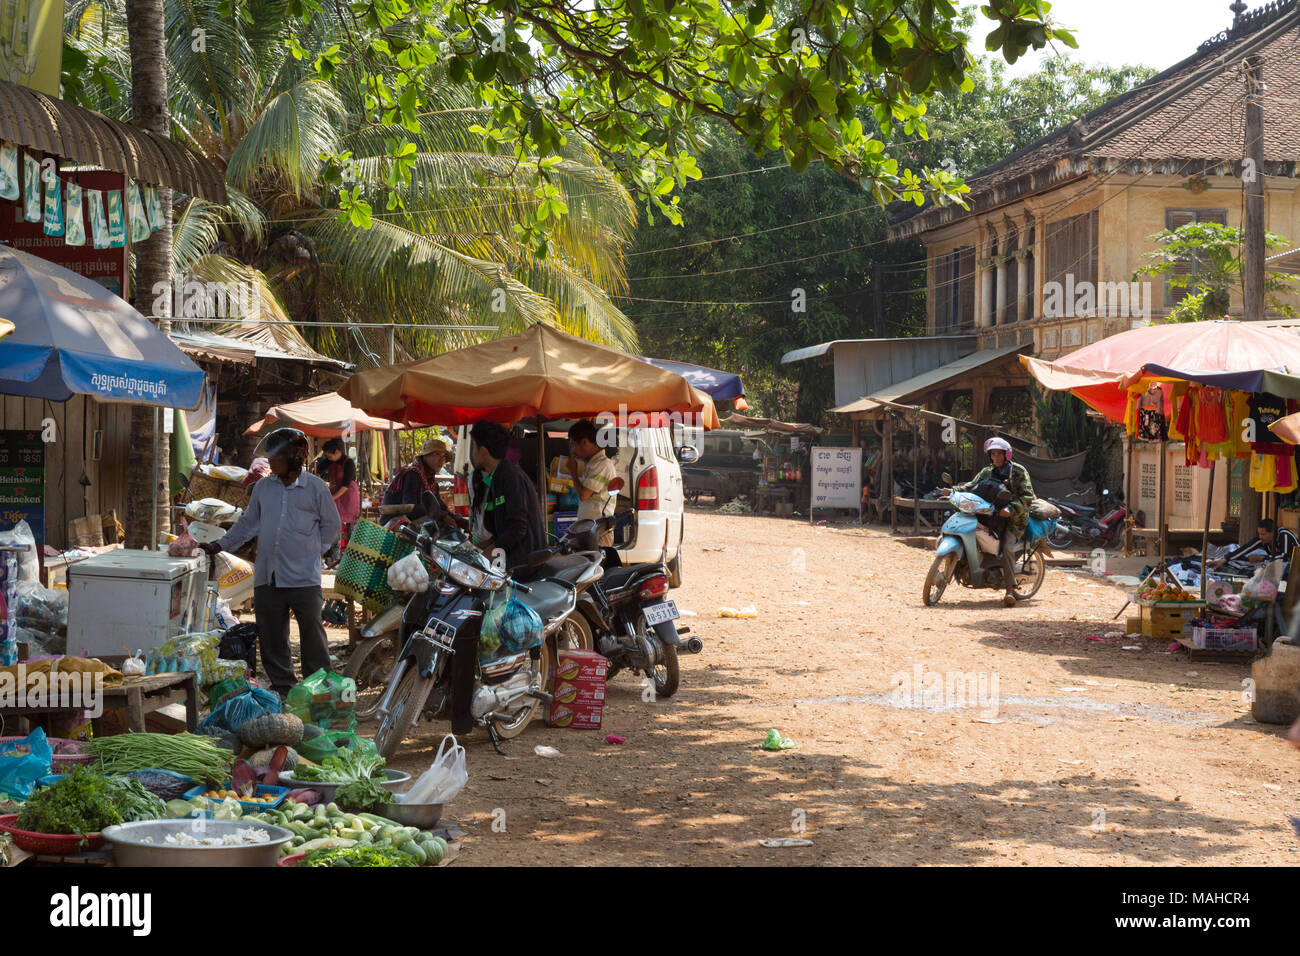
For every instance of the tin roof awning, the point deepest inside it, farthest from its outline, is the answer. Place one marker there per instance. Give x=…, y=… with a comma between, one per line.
x=815, y=351
x=82, y=136
x=225, y=348
x=899, y=392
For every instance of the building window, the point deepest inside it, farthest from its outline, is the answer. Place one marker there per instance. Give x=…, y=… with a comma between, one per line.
x=954, y=289
x=1071, y=250
x=1176, y=218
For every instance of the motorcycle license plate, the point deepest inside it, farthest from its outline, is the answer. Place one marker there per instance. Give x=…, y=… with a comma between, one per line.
x=659, y=613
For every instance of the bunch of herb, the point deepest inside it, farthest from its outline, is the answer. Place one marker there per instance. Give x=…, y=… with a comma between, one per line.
x=349, y=765
x=362, y=855
x=134, y=801
x=81, y=802
x=362, y=795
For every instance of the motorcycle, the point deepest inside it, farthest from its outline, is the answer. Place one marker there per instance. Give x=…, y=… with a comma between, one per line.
x=1079, y=523
x=444, y=620
x=960, y=557
x=626, y=611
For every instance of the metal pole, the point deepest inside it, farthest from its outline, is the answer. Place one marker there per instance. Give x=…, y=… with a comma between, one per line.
x=392, y=431
x=1205, y=534
x=541, y=464
x=1129, y=501
x=889, y=471
x=1164, y=527
x=153, y=512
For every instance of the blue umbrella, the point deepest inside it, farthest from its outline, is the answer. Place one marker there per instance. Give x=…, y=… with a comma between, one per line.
x=720, y=386
x=73, y=337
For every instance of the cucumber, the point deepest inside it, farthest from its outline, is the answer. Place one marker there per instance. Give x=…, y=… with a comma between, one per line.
x=412, y=849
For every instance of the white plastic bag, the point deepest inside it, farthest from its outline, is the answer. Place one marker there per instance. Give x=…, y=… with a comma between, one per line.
x=234, y=578
x=134, y=666
x=408, y=574
x=444, y=779
x=20, y=536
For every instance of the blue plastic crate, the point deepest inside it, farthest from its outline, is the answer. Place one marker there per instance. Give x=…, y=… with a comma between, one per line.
x=278, y=792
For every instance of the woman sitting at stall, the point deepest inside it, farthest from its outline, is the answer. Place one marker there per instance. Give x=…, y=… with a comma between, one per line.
x=336, y=469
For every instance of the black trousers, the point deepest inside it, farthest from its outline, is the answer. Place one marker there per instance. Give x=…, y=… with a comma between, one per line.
x=272, y=606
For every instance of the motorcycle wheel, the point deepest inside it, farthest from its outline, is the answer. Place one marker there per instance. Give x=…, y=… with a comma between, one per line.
x=370, y=665
x=937, y=578
x=1029, y=578
x=509, y=729
x=1060, y=537
x=575, y=635
x=412, y=691
x=667, y=676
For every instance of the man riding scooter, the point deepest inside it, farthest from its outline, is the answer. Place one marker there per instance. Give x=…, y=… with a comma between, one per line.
x=1016, y=514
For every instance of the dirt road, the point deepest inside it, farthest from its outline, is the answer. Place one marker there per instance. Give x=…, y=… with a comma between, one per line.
x=1070, y=750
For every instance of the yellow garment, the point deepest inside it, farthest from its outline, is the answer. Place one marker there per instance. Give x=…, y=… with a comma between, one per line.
x=1130, y=410
x=66, y=665
x=378, y=466
x=1221, y=450
x=1238, y=413
x=1263, y=472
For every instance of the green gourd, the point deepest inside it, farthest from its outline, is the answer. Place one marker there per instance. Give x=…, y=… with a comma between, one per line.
x=271, y=730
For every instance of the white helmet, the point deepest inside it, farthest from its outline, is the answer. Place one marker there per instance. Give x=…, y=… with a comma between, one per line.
x=1000, y=444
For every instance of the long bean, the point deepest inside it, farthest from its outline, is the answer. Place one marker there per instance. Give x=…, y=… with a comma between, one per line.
x=191, y=754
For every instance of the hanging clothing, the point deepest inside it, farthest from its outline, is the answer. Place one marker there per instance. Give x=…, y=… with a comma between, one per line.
x=1263, y=472
x=1151, y=422
x=1265, y=409
x=1238, y=414
x=1285, y=482
x=1178, y=406
x=1211, y=418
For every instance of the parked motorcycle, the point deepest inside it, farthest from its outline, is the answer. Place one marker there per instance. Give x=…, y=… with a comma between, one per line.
x=443, y=621
x=626, y=611
x=959, y=555
x=1079, y=523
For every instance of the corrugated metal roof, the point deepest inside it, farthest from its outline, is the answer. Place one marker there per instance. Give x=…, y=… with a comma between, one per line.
x=813, y=351
x=70, y=132
x=929, y=380
x=225, y=348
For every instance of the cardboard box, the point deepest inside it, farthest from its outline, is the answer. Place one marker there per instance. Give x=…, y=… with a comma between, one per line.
x=581, y=693
x=577, y=716
x=580, y=667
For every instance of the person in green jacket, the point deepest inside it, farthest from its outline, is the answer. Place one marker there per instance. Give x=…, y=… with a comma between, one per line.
x=1016, y=477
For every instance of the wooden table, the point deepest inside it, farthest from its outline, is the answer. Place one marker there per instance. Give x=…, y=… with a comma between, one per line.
x=923, y=505
x=138, y=696
x=771, y=496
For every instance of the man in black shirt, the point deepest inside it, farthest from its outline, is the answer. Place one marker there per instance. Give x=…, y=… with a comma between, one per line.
x=505, y=512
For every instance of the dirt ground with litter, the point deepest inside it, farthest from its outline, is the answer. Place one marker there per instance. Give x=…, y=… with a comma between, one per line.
x=1093, y=754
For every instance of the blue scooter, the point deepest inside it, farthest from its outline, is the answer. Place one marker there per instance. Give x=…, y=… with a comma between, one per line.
x=959, y=556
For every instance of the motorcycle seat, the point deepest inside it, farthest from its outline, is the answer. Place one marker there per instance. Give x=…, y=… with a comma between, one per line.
x=548, y=598
x=1083, y=510
x=615, y=578
x=566, y=567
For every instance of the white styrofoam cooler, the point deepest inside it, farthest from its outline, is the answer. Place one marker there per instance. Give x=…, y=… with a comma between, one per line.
x=133, y=599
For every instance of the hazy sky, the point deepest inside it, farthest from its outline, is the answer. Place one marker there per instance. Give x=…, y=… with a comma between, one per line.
x=1156, y=33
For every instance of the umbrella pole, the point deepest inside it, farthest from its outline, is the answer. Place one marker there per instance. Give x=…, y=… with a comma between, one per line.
x=1205, y=535
x=1164, y=460
x=541, y=465
x=153, y=512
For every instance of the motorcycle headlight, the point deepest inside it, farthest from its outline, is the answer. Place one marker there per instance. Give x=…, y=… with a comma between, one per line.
x=967, y=506
x=472, y=577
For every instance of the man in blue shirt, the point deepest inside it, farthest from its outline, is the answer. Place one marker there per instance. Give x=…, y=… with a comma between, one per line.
x=295, y=521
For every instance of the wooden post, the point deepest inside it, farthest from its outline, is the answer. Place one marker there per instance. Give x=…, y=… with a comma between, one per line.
x=1129, y=501
x=1160, y=497
x=1205, y=535
x=1252, y=246
x=889, y=470
x=916, y=471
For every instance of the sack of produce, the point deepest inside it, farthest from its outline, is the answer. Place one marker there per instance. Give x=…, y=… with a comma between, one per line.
x=408, y=574
x=23, y=761
x=234, y=579
x=232, y=713
x=1043, y=509
x=324, y=696
x=330, y=743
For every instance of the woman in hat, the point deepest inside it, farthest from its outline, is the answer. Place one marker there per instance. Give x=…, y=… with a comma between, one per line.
x=412, y=481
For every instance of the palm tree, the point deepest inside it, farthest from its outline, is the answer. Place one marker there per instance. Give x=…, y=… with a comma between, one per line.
x=451, y=256
x=144, y=24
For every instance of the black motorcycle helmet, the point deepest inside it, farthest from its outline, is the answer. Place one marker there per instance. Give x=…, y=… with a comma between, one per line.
x=994, y=492
x=289, y=442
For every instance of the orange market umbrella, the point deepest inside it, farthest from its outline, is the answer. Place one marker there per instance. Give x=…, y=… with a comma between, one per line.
x=1240, y=356
x=322, y=416
x=539, y=372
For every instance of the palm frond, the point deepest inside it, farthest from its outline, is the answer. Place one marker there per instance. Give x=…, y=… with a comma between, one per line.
x=288, y=137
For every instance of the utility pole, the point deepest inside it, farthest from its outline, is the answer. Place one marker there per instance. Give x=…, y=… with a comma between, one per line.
x=392, y=432
x=875, y=295
x=1252, y=247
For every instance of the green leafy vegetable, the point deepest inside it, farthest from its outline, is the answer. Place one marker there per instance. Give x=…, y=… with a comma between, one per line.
x=190, y=754
x=86, y=802
x=346, y=766
x=362, y=795
x=363, y=855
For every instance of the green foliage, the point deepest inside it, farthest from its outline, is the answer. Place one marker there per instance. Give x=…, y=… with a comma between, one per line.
x=1204, y=258
x=1066, y=427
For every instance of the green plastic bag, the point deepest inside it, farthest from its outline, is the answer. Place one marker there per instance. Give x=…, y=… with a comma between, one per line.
x=223, y=687
x=324, y=696
x=328, y=744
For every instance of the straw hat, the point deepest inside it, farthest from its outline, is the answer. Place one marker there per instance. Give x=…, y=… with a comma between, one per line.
x=434, y=445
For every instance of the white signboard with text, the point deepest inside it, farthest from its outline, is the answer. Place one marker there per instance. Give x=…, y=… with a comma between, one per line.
x=836, y=478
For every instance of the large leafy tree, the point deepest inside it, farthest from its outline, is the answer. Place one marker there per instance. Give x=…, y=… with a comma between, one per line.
x=703, y=297
x=453, y=246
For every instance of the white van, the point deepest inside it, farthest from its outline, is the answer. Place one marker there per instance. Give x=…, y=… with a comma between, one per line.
x=652, y=490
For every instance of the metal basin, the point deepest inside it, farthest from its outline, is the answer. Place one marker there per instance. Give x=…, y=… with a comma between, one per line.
x=422, y=815
x=392, y=780
x=129, y=848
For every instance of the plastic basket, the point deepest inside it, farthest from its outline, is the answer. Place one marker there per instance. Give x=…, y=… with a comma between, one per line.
x=292, y=860
x=58, y=759
x=48, y=842
x=261, y=791
x=1223, y=638
x=206, y=486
